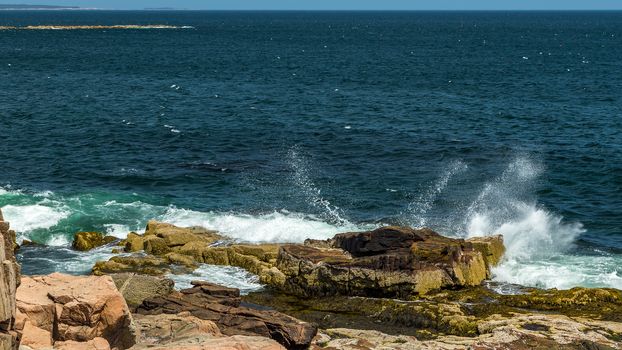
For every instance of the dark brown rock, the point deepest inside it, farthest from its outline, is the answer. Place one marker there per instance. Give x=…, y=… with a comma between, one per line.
x=381, y=241
x=222, y=306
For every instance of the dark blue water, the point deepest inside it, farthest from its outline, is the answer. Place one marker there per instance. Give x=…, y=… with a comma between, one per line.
x=276, y=126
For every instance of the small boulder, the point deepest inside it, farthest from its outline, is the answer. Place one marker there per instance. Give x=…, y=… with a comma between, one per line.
x=85, y=241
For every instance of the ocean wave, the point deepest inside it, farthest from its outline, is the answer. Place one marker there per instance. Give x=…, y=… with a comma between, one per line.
x=278, y=226
x=26, y=218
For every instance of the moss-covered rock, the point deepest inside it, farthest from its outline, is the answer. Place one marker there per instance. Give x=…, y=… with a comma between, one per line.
x=466, y=312
x=84, y=241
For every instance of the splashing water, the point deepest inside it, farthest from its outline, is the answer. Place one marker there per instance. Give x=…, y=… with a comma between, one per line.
x=313, y=194
x=538, y=243
x=419, y=208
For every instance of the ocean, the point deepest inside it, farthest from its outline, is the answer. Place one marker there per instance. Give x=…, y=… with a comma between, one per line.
x=282, y=126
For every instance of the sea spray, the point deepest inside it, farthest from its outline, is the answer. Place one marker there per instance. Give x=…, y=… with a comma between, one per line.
x=418, y=209
x=313, y=195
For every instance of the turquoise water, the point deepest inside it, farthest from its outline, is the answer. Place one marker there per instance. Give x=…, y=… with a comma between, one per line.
x=284, y=126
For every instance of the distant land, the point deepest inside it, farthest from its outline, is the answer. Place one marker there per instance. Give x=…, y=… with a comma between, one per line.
x=161, y=8
x=37, y=7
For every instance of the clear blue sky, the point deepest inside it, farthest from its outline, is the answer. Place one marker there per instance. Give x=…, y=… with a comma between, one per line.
x=340, y=4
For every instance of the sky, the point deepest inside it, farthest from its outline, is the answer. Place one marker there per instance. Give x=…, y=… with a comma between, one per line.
x=338, y=4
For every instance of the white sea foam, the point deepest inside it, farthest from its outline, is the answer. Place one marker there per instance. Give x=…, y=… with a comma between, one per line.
x=117, y=230
x=228, y=276
x=281, y=226
x=562, y=272
x=536, y=240
x=57, y=241
x=27, y=218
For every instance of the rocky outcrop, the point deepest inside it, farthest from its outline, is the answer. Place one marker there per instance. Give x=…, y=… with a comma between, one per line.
x=84, y=241
x=9, y=280
x=56, y=309
x=221, y=305
x=165, y=248
x=389, y=261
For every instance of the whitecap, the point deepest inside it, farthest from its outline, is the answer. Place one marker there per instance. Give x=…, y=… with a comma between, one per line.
x=278, y=226
x=26, y=218
x=117, y=230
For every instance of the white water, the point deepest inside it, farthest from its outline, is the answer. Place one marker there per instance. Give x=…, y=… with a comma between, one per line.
x=33, y=217
x=281, y=226
x=538, y=242
x=228, y=276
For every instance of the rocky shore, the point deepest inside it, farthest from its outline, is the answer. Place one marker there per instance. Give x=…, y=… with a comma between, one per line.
x=390, y=288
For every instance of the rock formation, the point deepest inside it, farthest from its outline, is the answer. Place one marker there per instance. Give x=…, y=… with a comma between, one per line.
x=387, y=262
x=9, y=280
x=221, y=305
x=61, y=308
x=165, y=248
x=84, y=241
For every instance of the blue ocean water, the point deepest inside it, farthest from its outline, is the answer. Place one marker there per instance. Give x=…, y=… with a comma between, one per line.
x=279, y=126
